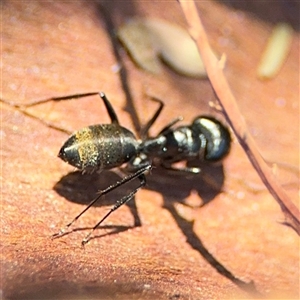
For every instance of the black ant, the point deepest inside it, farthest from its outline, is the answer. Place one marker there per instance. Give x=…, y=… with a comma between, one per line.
x=106, y=146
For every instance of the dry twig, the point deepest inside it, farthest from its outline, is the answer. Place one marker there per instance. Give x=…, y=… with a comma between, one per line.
x=233, y=116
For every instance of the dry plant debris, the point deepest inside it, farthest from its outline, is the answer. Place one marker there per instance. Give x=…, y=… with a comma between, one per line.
x=276, y=51
x=148, y=39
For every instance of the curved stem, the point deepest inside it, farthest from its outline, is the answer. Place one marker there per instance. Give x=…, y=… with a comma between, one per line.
x=233, y=116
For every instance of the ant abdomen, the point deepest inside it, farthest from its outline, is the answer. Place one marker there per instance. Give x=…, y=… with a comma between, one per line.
x=99, y=147
x=216, y=135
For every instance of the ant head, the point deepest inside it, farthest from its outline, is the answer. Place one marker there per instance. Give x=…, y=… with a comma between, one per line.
x=217, y=137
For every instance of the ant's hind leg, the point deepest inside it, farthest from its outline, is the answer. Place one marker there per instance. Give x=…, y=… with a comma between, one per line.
x=123, y=172
x=138, y=174
x=38, y=102
x=118, y=204
x=110, y=109
x=111, y=112
x=23, y=107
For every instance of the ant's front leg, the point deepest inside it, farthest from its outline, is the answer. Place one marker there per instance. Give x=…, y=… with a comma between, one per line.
x=23, y=107
x=38, y=102
x=111, y=112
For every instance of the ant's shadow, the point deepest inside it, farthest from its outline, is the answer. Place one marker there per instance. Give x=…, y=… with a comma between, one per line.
x=173, y=186
x=82, y=188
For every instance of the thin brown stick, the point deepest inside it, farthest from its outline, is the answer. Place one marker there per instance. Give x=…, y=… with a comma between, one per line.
x=231, y=111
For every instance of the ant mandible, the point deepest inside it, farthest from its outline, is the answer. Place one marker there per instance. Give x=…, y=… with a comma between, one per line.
x=106, y=146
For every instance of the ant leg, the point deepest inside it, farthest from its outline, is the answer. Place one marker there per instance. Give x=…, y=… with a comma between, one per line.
x=22, y=109
x=38, y=102
x=110, y=109
x=145, y=129
x=126, y=179
x=118, y=204
x=123, y=172
x=68, y=97
x=111, y=112
x=168, y=126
